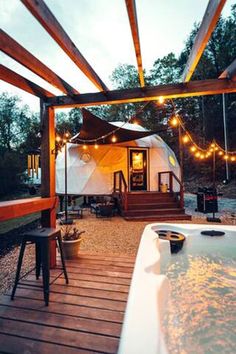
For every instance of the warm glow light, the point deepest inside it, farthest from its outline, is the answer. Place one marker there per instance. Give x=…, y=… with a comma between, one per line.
x=226, y=157
x=197, y=154
x=64, y=141
x=135, y=122
x=202, y=157
x=233, y=158
x=211, y=150
x=58, y=138
x=193, y=148
x=174, y=121
x=213, y=145
x=67, y=135
x=216, y=148
x=220, y=153
x=161, y=99
x=95, y=146
x=85, y=147
x=185, y=139
x=114, y=139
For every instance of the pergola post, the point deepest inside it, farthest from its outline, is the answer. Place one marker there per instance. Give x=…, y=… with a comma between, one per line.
x=48, y=217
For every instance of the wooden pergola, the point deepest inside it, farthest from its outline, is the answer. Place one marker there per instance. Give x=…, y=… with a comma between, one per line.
x=225, y=83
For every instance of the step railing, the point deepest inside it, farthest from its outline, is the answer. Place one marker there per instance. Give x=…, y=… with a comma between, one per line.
x=172, y=178
x=120, y=188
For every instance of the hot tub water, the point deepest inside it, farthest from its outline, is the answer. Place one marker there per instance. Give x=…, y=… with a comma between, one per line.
x=201, y=311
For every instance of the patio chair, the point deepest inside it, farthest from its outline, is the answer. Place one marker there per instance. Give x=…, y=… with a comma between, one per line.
x=105, y=211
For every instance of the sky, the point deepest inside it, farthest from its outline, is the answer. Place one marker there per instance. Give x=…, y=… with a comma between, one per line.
x=100, y=29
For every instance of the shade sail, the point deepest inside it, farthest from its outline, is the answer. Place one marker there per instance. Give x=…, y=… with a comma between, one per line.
x=97, y=130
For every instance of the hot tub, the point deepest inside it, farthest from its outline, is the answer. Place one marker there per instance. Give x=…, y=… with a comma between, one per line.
x=182, y=302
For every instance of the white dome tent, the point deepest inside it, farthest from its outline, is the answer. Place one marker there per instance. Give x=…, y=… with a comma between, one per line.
x=90, y=171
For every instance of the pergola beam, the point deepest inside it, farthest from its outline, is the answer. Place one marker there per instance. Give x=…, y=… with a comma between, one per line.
x=230, y=72
x=21, y=82
x=46, y=18
x=208, y=24
x=150, y=93
x=133, y=20
x=12, y=48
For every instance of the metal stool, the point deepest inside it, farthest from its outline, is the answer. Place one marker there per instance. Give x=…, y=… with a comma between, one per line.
x=41, y=238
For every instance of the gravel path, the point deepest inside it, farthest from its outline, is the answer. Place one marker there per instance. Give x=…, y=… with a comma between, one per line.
x=113, y=236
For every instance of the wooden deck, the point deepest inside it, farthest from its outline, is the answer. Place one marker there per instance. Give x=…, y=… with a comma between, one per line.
x=84, y=316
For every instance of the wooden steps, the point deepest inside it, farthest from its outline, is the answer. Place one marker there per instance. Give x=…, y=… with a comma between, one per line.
x=153, y=206
x=84, y=316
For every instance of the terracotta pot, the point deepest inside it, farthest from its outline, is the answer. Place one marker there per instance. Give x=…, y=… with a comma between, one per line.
x=71, y=248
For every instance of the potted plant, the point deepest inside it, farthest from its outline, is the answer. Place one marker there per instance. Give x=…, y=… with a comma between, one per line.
x=71, y=239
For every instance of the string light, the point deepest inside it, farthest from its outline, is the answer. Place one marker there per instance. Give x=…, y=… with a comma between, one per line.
x=199, y=152
x=58, y=138
x=85, y=147
x=161, y=100
x=114, y=139
x=174, y=121
x=185, y=139
x=96, y=146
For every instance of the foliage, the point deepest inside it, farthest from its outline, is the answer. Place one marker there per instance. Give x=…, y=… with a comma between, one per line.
x=19, y=128
x=71, y=233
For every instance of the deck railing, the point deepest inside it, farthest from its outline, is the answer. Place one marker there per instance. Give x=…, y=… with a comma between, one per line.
x=172, y=177
x=120, y=188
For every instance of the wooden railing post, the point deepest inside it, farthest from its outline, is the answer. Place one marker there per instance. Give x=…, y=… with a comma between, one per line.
x=181, y=196
x=171, y=181
x=159, y=181
x=48, y=189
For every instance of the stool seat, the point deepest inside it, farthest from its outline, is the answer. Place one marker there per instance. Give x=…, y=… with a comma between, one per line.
x=41, y=238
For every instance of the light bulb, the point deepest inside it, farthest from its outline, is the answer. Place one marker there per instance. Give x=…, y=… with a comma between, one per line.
x=85, y=147
x=58, y=138
x=174, y=121
x=193, y=148
x=113, y=139
x=226, y=157
x=95, y=146
x=161, y=99
x=233, y=158
x=220, y=153
x=185, y=139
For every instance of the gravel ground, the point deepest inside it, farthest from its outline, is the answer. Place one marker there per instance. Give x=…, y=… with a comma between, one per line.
x=113, y=236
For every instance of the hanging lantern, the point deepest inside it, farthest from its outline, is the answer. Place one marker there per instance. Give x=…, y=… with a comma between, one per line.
x=33, y=159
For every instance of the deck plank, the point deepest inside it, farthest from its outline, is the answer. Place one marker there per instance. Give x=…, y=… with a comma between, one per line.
x=83, y=317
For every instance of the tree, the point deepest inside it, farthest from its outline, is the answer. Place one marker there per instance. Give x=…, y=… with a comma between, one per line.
x=14, y=122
